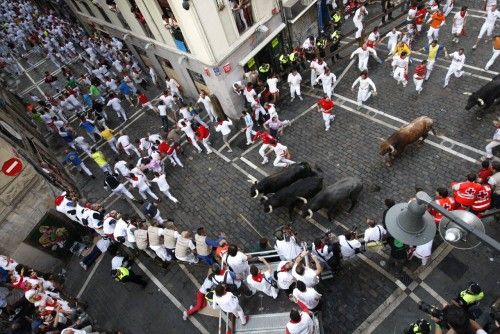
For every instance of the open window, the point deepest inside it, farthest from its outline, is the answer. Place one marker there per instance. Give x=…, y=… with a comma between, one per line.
x=243, y=14
x=170, y=22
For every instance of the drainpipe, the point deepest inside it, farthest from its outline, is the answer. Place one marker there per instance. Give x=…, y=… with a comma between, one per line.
x=288, y=28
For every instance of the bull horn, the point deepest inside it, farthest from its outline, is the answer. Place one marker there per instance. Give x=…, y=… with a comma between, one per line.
x=380, y=138
x=480, y=101
x=251, y=182
x=392, y=148
x=303, y=199
x=270, y=208
x=309, y=213
x=256, y=194
x=467, y=93
x=265, y=198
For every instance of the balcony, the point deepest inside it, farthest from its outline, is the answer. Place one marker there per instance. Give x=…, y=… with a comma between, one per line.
x=243, y=14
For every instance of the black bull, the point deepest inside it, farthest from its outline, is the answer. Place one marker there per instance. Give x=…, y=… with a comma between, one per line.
x=485, y=96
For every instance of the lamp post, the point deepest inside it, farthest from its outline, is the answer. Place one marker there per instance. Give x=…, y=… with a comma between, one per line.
x=411, y=224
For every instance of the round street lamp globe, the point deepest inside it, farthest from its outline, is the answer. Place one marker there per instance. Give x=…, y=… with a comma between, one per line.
x=410, y=223
x=456, y=235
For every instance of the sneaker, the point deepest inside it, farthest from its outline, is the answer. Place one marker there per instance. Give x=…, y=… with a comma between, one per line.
x=208, y=152
x=444, y=86
x=184, y=315
x=83, y=265
x=250, y=143
x=359, y=107
x=230, y=150
x=265, y=161
x=291, y=100
x=327, y=129
x=300, y=97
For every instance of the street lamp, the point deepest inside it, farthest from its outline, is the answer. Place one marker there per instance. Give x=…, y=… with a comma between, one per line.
x=411, y=224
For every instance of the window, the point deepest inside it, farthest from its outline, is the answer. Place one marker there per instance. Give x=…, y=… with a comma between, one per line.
x=140, y=18
x=122, y=20
x=172, y=26
x=103, y=13
x=243, y=15
x=88, y=8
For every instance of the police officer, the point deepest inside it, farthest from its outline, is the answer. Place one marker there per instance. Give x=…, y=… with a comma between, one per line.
x=470, y=297
x=264, y=71
x=284, y=62
x=337, y=20
x=321, y=43
x=421, y=326
x=124, y=275
x=334, y=44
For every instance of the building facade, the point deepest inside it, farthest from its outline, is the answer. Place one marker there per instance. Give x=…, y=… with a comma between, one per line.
x=209, y=46
x=30, y=178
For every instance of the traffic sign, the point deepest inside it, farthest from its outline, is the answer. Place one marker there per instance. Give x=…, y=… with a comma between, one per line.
x=12, y=167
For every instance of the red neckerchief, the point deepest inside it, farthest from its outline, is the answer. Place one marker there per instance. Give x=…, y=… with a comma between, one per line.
x=135, y=178
x=258, y=277
x=320, y=246
x=296, y=322
x=249, y=89
x=462, y=13
x=283, y=269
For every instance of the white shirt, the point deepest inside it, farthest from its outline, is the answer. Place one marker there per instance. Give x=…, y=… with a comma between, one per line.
x=239, y=263
x=120, y=229
x=115, y=103
x=393, y=36
x=111, y=84
x=206, y=102
x=400, y=62
x=305, y=326
x=162, y=183
x=248, y=120
x=249, y=95
x=310, y=297
x=103, y=244
x=323, y=254
x=287, y=250
x=185, y=113
x=123, y=140
x=187, y=129
x=228, y=277
x=364, y=54
x=459, y=20
x=374, y=233
x=207, y=285
x=228, y=302
x=491, y=17
x=280, y=149
x=424, y=250
x=496, y=135
x=116, y=262
x=364, y=84
x=359, y=15
x=121, y=167
x=140, y=183
x=294, y=80
x=285, y=278
x=457, y=59
x=173, y=86
x=273, y=85
x=168, y=100
x=308, y=44
x=348, y=247
x=319, y=68
x=162, y=108
x=309, y=277
x=327, y=80
x=263, y=285
x=224, y=127
x=108, y=227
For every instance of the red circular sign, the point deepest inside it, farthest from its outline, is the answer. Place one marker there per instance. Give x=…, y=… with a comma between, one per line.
x=12, y=167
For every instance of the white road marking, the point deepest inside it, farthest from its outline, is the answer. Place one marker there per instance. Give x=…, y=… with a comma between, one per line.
x=251, y=164
x=92, y=272
x=189, y=275
x=251, y=225
x=170, y=296
x=433, y=293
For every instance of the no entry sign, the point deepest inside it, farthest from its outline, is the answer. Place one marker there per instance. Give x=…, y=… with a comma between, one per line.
x=12, y=167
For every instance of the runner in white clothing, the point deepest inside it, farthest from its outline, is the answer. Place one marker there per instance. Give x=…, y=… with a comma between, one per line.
x=174, y=87
x=83, y=145
x=272, y=83
x=358, y=18
x=185, y=127
x=248, y=129
x=207, y=103
x=124, y=142
x=457, y=63
x=261, y=280
x=294, y=80
x=121, y=168
x=116, y=104
x=457, y=28
x=364, y=91
x=140, y=182
x=161, y=180
x=393, y=37
x=494, y=142
x=488, y=25
x=328, y=80
x=400, y=64
x=223, y=127
x=228, y=303
x=318, y=67
x=363, y=54
x=282, y=154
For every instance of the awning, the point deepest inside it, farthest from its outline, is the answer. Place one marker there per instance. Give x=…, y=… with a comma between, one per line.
x=262, y=44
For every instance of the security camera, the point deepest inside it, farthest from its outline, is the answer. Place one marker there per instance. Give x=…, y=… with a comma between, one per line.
x=185, y=4
x=262, y=29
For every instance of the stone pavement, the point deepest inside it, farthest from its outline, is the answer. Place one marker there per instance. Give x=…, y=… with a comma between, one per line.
x=213, y=192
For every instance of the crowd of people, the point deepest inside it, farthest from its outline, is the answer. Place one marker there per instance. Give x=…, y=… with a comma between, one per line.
x=113, y=76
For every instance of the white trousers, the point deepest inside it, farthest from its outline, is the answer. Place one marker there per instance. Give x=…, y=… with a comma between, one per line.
x=174, y=159
x=133, y=148
x=169, y=195
x=248, y=134
x=294, y=89
x=489, y=148
x=282, y=162
x=418, y=83
x=494, y=56
x=195, y=143
x=161, y=251
x=211, y=113
x=399, y=75
x=359, y=26
x=238, y=312
x=147, y=190
x=121, y=113
x=83, y=167
x=262, y=151
x=455, y=70
x=486, y=28
x=112, y=144
x=328, y=90
x=327, y=118
x=432, y=34
x=122, y=190
x=447, y=9
x=363, y=95
x=313, y=77
x=363, y=64
x=205, y=144
x=430, y=67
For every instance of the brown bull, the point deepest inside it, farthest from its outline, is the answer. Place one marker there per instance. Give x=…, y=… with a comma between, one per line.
x=410, y=133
